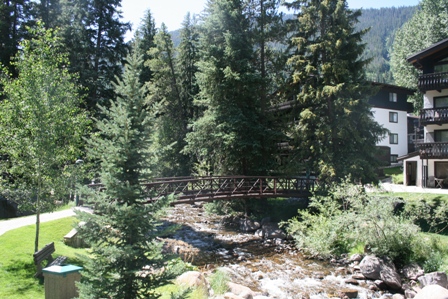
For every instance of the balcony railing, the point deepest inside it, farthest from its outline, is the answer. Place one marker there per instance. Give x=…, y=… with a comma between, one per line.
x=433, y=150
x=433, y=81
x=434, y=116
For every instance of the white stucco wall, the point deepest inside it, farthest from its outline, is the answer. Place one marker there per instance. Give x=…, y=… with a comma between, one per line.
x=382, y=117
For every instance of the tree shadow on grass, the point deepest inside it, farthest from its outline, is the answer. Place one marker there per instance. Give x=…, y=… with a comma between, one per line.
x=20, y=276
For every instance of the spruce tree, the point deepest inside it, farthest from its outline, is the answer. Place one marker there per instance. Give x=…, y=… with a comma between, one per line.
x=334, y=133
x=125, y=258
x=173, y=89
x=144, y=41
x=229, y=135
x=94, y=37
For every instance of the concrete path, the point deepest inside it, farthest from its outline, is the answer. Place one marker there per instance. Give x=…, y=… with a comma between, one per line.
x=6, y=225
x=411, y=189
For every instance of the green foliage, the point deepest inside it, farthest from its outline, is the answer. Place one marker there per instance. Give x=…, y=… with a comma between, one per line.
x=218, y=282
x=41, y=124
x=398, y=178
x=383, y=24
x=16, y=266
x=93, y=34
x=126, y=258
x=426, y=27
x=347, y=217
x=335, y=133
x=229, y=136
x=170, y=94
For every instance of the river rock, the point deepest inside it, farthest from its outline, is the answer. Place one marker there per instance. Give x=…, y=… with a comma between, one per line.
x=375, y=268
x=398, y=296
x=409, y=294
x=352, y=281
x=433, y=291
x=358, y=276
x=348, y=293
x=240, y=290
x=248, y=225
x=259, y=233
x=355, y=258
x=439, y=278
x=192, y=279
x=413, y=271
x=272, y=231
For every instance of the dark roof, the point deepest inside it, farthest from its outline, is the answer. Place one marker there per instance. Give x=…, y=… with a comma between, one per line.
x=395, y=88
x=435, y=51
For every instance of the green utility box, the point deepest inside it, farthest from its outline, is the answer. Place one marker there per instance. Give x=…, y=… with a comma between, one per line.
x=60, y=281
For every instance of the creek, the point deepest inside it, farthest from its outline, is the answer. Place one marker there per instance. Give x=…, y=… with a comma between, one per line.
x=272, y=267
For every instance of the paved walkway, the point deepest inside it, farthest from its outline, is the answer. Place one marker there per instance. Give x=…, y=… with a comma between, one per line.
x=412, y=189
x=6, y=225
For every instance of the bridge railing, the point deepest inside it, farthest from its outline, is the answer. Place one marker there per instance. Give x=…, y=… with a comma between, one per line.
x=225, y=187
x=191, y=189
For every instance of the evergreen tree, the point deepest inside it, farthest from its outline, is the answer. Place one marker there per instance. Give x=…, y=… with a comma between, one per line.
x=144, y=41
x=426, y=27
x=173, y=89
x=125, y=257
x=335, y=133
x=229, y=135
x=165, y=94
x=47, y=11
x=94, y=37
x=14, y=15
x=40, y=123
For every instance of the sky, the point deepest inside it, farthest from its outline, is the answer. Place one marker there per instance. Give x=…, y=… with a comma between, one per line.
x=172, y=12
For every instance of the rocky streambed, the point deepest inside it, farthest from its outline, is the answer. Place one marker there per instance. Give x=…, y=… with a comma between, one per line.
x=264, y=260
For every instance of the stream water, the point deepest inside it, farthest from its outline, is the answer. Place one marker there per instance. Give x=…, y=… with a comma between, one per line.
x=273, y=268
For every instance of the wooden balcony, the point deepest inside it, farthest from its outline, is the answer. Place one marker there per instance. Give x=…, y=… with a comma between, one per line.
x=433, y=150
x=437, y=116
x=433, y=81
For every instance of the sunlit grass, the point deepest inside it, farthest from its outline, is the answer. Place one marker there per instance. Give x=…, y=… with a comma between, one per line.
x=17, y=268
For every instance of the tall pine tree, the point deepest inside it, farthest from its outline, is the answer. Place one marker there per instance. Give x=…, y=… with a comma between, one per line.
x=335, y=133
x=144, y=41
x=94, y=37
x=125, y=257
x=229, y=135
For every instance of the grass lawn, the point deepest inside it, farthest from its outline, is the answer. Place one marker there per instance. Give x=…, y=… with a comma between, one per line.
x=16, y=264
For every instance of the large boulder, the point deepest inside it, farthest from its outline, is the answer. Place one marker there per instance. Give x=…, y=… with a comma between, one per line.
x=375, y=268
x=248, y=225
x=240, y=290
x=272, y=231
x=433, y=291
x=438, y=278
x=413, y=271
x=192, y=279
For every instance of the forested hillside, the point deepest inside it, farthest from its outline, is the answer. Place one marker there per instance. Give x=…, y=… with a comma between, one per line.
x=383, y=23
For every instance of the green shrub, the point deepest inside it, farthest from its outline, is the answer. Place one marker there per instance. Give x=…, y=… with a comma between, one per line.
x=346, y=217
x=398, y=179
x=218, y=282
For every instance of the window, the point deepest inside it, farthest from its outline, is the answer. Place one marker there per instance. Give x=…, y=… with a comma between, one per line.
x=441, y=135
x=440, y=102
x=393, y=158
x=393, y=138
x=393, y=117
x=441, y=66
x=392, y=97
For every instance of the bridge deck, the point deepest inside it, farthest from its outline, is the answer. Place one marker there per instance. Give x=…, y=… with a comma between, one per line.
x=192, y=189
